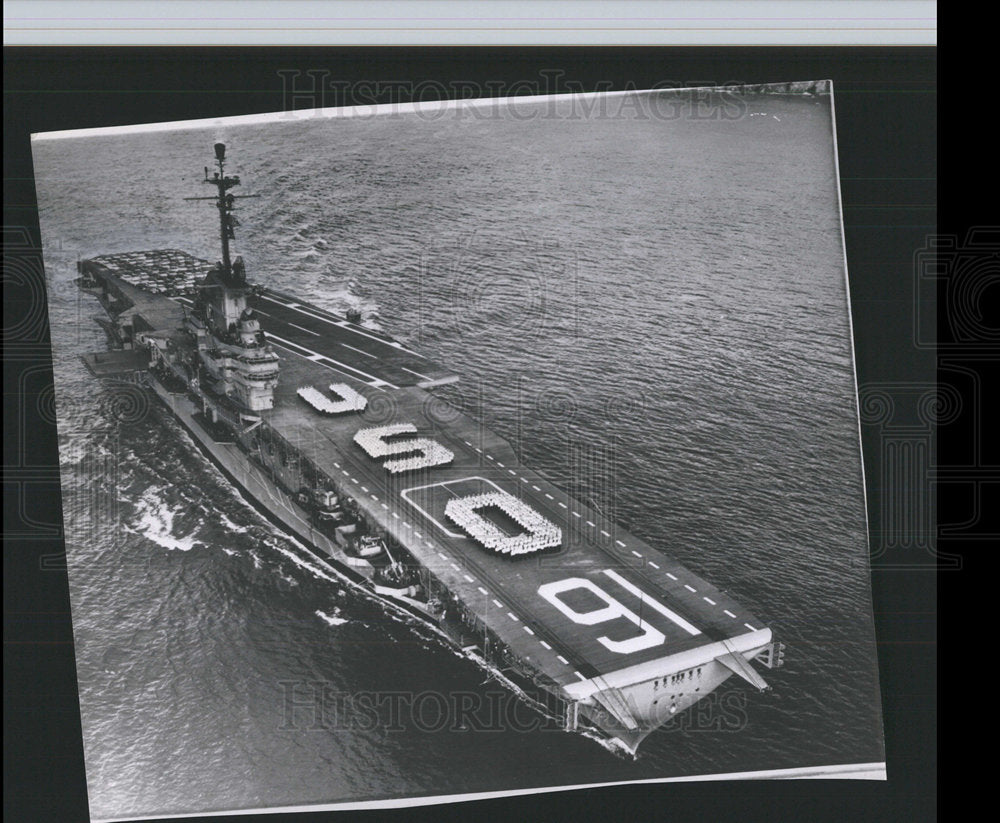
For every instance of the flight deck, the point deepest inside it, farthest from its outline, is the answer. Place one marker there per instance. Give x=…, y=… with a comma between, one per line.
x=655, y=594
x=602, y=602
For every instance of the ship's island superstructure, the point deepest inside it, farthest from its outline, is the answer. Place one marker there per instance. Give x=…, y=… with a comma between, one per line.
x=331, y=430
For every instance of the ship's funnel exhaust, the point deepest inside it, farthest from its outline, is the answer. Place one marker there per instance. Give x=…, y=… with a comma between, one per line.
x=220, y=151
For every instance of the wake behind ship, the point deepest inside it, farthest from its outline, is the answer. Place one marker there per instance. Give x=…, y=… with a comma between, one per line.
x=331, y=430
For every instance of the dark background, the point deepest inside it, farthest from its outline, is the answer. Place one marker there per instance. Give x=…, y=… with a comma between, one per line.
x=886, y=108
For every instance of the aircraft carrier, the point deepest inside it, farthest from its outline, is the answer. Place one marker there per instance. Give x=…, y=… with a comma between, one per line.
x=333, y=431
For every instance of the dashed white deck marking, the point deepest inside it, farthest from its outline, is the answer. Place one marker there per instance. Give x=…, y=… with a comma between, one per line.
x=351, y=327
x=418, y=374
x=549, y=496
x=535, y=487
x=513, y=617
x=726, y=611
x=690, y=588
x=364, y=489
x=591, y=525
x=636, y=553
x=651, y=563
x=563, y=505
x=671, y=576
x=498, y=604
x=442, y=555
x=619, y=542
x=710, y=601
x=529, y=631
x=605, y=533
x=359, y=351
x=469, y=579
x=394, y=514
x=750, y=627
x=579, y=675
x=307, y=331
x=577, y=514
x=546, y=645
x=291, y=345
x=482, y=590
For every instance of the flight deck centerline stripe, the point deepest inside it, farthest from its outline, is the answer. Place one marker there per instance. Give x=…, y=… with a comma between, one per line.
x=726, y=611
x=529, y=631
x=482, y=590
x=653, y=604
x=619, y=542
x=671, y=576
x=690, y=588
x=498, y=604
x=562, y=659
x=651, y=563
x=636, y=553
x=513, y=616
x=546, y=645
x=750, y=627
x=710, y=601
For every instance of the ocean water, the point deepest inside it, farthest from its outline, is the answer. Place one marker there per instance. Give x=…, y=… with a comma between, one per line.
x=650, y=308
